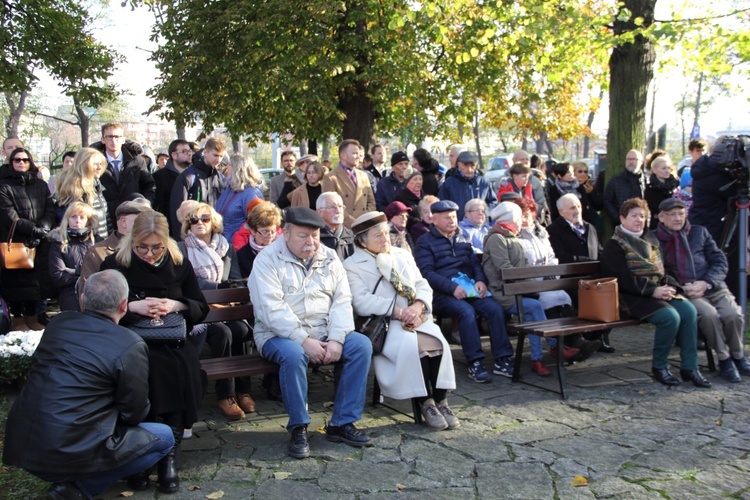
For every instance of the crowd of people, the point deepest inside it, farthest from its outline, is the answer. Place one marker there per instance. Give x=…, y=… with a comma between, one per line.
x=412, y=240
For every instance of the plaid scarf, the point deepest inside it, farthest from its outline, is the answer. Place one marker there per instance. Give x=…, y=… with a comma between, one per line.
x=643, y=258
x=206, y=259
x=676, y=250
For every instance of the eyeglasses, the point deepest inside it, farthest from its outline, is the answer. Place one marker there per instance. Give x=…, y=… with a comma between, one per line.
x=110, y=137
x=335, y=207
x=143, y=250
x=205, y=218
x=265, y=232
x=184, y=152
x=21, y=160
x=478, y=211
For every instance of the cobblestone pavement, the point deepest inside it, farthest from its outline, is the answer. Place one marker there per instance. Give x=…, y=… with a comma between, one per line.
x=626, y=435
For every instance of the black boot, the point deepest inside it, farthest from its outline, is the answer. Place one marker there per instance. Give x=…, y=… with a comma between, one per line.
x=169, y=482
x=138, y=481
x=606, y=346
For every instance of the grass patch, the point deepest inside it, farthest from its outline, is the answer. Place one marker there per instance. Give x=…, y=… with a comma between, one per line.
x=15, y=482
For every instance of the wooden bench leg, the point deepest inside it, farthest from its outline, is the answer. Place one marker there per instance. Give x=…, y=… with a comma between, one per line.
x=519, y=356
x=560, y=367
x=710, y=358
x=417, y=411
x=376, y=399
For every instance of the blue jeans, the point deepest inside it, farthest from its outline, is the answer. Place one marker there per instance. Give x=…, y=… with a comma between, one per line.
x=95, y=484
x=352, y=388
x=679, y=319
x=466, y=310
x=533, y=311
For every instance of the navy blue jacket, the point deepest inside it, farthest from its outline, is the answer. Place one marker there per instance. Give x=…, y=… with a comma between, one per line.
x=459, y=190
x=388, y=188
x=709, y=262
x=439, y=259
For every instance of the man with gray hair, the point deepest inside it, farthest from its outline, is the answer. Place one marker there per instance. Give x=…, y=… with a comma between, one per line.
x=335, y=236
x=87, y=431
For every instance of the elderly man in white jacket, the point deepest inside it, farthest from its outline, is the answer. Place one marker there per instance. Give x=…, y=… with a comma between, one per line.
x=303, y=314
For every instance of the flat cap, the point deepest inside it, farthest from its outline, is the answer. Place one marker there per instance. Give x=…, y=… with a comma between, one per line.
x=671, y=203
x=467, y=157
x=396, y=208
x=366, y=221
x=510, y=196
x=443, y=206
x=303, y=216
x=398, y=157
x=130, y=208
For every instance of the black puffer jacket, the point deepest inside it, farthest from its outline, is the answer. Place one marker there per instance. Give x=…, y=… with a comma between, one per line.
x=134, y=178
x=94, y=378
x=656, y=192
x=200, y=182
x=710, y=204
x=24, y=197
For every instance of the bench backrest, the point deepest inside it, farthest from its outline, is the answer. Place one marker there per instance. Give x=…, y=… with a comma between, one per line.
x=565, y=277
x=229, y=304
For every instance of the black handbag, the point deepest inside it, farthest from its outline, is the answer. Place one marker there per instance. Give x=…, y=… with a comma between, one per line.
x=375, y=326
x=169, y=330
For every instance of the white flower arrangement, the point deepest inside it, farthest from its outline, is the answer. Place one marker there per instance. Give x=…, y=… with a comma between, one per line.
x=16, y=349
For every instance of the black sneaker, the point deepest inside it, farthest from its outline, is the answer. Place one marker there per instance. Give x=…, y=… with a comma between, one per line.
x=504, y=367
x=348, y=434
x=299, y=444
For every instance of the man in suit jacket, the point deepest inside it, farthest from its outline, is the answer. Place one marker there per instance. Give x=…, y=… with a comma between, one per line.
x=575, y=240
x=350, y=183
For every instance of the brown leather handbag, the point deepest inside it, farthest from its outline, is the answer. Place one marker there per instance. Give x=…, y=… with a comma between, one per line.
x=598, y=300
x=16, y=255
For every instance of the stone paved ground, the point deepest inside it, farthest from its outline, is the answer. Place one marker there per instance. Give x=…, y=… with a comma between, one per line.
x=628, y=436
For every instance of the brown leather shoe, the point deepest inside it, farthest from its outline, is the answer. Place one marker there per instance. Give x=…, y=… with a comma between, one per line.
x=245, y=401
x=230, y=409
x=18, y=324
x=33, y=323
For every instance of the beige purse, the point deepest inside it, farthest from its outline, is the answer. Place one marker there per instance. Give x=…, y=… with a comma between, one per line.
x=16, y=255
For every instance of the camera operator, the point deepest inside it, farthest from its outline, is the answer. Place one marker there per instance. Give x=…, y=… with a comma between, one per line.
x=712, y=208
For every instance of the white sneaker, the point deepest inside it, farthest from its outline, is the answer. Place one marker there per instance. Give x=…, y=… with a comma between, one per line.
x=187, y=433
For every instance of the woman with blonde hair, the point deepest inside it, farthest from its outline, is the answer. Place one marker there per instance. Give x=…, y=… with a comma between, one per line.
x=70, y=242
x=162, y=281
x=215, y=264
x=662, y=184
x=80, y=182
x=245, y=184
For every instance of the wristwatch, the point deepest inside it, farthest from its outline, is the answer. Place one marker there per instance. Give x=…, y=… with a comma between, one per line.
x=709, y=286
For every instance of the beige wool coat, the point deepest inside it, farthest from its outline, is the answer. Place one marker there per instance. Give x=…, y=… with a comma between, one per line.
x=397, y=368
x=356, y=201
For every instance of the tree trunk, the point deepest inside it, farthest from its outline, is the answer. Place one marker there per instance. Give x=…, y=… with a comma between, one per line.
x=476, y=140
x=83, y=122
x=312, y=147
x=15, y=112
x=326, y=150
x=302, y=148
x=360, y=119
x=631, y=68
x=180, y=125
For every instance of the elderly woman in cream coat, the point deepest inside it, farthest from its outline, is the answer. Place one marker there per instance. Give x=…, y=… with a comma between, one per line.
x=416, y=360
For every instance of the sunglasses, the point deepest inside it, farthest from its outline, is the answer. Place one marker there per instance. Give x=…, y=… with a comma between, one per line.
x=205, y=218
x=21, y=160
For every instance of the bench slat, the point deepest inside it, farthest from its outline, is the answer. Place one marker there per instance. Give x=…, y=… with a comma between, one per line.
x=579, y=268
x=230, y=313
x=566, y=326
x=237, y=366
x=524, y=287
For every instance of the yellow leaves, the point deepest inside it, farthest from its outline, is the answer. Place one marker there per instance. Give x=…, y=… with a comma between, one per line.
x=281, y=475
x=579, y=481
x=474, y=52
x=400, y=486
x=215, y=495
x=126, y=494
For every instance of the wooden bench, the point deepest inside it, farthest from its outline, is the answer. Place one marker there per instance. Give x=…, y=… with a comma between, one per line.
x=563, y=277
x=230, y=304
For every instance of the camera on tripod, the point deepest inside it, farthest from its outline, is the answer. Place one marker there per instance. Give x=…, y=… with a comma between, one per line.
x=732, y=153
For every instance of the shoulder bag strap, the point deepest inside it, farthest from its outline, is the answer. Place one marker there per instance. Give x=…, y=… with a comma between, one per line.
x=393, y=303
x=12, y=230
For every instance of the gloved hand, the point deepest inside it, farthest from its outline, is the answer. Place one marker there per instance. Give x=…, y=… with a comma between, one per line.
x=33, y=243
x=39, y=232
x=225, y=284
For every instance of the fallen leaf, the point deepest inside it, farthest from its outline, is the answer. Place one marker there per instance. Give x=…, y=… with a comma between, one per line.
x=321, y=429
x=718, y=422
x=348, y=458
x=281, y=475
x=627, y=355
x=193, y=487
x=579, y=481
x=126, y=493
x=641, y=392
x=215, y=495
x=328, y=404
x=473, y=474
x=449, y=438
x=401, y=486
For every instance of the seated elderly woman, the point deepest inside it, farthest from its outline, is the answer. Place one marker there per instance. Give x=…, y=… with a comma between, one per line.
x=215, y=265
x=474, y=225
x=398, y=216
x=425, y=217
x=649, y=293
x=263, y=222
x=416, y=360
x=502, y=250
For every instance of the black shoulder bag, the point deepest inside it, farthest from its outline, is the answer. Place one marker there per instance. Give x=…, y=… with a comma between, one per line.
x=375, y=326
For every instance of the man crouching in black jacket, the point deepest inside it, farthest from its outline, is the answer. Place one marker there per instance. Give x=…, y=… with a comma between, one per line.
x=87, y=431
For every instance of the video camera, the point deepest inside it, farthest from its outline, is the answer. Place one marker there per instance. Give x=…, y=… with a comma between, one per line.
x=732, y=154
